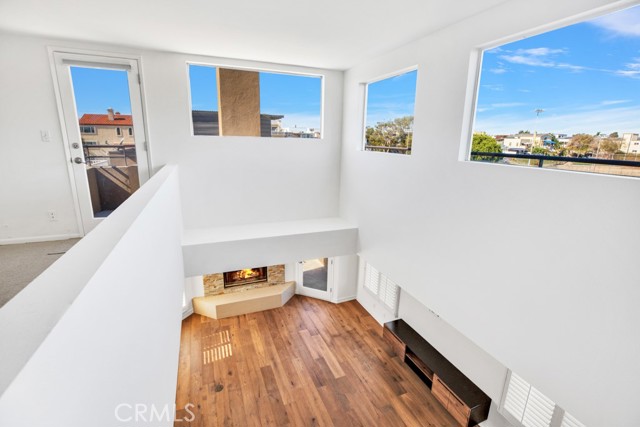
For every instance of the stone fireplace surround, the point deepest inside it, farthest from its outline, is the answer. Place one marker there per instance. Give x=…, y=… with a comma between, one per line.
x=214, y=283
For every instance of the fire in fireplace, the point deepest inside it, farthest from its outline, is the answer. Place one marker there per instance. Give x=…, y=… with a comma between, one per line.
x=244, y=277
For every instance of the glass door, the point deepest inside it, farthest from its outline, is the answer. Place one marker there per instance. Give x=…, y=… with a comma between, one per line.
x=315, y=278
x=102, y=108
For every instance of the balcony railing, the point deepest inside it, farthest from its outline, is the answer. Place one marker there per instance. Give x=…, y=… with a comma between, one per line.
x=386, y=149
x=127, y=152
x=616, y=167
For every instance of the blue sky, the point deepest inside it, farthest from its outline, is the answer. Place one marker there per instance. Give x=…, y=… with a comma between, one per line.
x=586, y=77
x=298, y=98
x=391, y=98
x=96, y=89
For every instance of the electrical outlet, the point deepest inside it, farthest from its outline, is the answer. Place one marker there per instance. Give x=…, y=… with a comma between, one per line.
x=52, y=215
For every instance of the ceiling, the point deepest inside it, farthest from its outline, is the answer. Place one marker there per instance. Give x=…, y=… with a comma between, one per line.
x=335, y=34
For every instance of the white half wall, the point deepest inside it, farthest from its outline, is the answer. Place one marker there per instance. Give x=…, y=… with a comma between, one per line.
x=219, y=249
x=101, y=326
x=224, y=180
x=555, y=303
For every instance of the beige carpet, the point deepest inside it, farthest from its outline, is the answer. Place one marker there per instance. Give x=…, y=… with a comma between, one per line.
x=20, y=264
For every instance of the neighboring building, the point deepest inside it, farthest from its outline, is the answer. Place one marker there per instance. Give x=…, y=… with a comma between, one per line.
x=630, y=143
x=106, y=129
x=207, y=123
x=520, y=142
x=295, y=132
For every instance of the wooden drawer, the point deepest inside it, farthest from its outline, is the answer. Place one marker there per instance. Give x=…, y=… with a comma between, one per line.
x=440, y=391
x=456, y=404
x=399, y=348
x=460, y=418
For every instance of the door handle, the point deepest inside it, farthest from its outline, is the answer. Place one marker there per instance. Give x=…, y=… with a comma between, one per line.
x=78, y=160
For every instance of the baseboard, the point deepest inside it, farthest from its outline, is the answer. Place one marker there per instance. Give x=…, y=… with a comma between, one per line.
x=345, y=299
x=188, y=312
x=50, y=238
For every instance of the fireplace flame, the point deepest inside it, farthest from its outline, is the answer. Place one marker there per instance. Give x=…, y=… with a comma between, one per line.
x=248, y=273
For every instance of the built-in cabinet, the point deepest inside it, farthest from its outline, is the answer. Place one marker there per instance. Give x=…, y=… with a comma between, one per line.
x=466, y=403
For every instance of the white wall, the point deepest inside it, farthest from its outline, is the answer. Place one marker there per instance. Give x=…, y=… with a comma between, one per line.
x=345, y=278
x=232, y=248
x=101, y=327
x=285, y=179
x=557, y=303
x=33, y=173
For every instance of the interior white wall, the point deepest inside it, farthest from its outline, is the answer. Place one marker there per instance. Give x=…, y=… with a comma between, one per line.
x=232, y=248
x=110, y=325
x=555, y=303
x=284, y=178
x=33, y=173
x=345, y=278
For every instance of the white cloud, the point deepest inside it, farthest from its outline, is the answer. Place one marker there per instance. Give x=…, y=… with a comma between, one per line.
x=496, y=87
x=498, y=70
x=615, y=102
x=532, y=60
x=541, y=57
x=606, y=120
x=623, y=23
x=539, y=51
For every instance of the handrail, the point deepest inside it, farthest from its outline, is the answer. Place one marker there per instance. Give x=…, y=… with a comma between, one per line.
x=542, y=158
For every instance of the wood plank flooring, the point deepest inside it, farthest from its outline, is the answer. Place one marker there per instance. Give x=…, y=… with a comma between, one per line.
x=309, y=363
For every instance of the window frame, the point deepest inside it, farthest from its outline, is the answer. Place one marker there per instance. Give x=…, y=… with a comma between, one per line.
x=258, y=70
x=84, y=127
x=118, y=131
x=475, y=70
x=365, y=88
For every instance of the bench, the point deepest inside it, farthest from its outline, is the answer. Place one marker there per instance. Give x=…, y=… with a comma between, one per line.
x=244, y=302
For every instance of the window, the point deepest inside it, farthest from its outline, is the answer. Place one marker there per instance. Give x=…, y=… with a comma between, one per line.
x=566, y=99
x=526, y=406
x=87, y=129
x=382, y=287
x=130, y=131
x=118, y=131
x=231, y=102
x=389, y=114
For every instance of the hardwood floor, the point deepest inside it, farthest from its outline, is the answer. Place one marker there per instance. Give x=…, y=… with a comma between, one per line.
x=309, y=363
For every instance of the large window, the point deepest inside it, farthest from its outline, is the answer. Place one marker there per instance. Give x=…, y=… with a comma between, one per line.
x=382, y=287
x=566, y=99
x=526, y=406
x=389, y=114
x=232, y=102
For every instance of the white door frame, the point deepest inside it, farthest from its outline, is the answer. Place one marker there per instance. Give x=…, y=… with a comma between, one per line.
x=316, y=293
x=60, y=59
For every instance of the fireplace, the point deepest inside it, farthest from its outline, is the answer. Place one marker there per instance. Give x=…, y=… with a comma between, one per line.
x=245, y=277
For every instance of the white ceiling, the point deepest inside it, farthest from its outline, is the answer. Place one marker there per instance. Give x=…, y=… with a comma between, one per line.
x=323, y=33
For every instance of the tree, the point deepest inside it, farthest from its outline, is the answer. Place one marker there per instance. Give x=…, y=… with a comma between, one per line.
x=396, y=133
x=540, y=150
x=484, y=143
x=610, y=146
x=581, y=144
x=614, y=135
x=520, y=132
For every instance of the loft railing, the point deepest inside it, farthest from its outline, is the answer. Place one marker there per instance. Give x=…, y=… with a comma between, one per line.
x=387, y=149
x=541, y=158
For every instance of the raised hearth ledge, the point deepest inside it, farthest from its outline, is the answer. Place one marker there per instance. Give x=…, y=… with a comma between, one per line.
x=249, y=301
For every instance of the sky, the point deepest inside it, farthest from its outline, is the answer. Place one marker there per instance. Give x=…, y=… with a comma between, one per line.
x=391, y=98
x=586, y=78
x=298, y=98
x=96, y=89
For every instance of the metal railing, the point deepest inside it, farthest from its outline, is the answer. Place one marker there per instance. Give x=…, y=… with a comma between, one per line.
x=387, y=149
x=541, y=158
x=124, y=151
